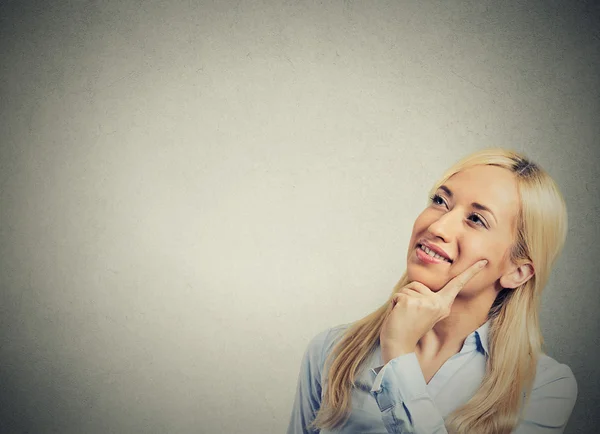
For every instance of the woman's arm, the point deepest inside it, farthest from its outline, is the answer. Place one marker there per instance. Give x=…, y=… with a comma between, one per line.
x=308, y=391
x=406, y=407
x=401, y=394
x=400, y=389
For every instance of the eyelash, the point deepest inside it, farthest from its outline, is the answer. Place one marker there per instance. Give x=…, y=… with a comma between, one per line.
x=437, y=196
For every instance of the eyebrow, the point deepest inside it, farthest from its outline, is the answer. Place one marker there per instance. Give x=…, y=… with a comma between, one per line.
x=475, y=205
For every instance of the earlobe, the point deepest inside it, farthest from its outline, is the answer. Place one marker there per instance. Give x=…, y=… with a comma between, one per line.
x=517, y=276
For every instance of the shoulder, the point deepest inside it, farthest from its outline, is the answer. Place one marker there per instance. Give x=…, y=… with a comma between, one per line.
x=553, y=395
x=548, y=369
x=555, y=376
x=323, y=342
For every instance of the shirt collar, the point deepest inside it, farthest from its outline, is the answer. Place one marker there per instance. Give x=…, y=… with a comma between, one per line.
x=482, y=334
x=481, y=338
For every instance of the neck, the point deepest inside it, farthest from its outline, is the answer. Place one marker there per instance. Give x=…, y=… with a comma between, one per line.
x=448, y=335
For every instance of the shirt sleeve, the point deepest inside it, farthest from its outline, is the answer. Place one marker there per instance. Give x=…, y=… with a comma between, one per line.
x=552, y=400
x=308, y=391
x=401, y=394
x=406, y=407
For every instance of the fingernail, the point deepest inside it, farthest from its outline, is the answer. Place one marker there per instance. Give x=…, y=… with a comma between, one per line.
x=483, y=263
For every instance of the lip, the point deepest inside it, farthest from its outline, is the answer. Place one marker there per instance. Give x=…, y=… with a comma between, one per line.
x=434, y=248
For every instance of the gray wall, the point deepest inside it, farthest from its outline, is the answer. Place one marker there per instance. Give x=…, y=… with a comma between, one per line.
x=191, y=190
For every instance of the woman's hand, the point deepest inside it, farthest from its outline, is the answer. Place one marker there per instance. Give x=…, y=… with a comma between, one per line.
x=416, y=309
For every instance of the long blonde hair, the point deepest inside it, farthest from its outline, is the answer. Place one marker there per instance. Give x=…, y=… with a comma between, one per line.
x=515, y=340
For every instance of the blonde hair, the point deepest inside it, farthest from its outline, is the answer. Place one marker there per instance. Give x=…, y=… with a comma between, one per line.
x=515, y=340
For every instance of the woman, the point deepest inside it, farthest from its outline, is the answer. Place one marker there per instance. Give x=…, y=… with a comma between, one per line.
x=457, y=348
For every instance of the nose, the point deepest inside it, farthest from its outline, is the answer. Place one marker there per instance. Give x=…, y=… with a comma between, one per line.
x=446, y=226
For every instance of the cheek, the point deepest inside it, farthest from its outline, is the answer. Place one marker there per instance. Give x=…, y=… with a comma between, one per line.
x=475, y=248
x=495, y=253
x=486, y=278
x=473, y=251
x=423, y=221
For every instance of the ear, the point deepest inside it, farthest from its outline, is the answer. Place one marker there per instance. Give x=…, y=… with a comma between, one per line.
x=517, y=275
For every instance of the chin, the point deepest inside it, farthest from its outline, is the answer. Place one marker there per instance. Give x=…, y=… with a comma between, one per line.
x=426, y=277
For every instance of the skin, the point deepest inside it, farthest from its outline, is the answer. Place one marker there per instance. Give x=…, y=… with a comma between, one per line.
x=445, y=302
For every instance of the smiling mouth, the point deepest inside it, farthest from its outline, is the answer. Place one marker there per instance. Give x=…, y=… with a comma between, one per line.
x=431, y=253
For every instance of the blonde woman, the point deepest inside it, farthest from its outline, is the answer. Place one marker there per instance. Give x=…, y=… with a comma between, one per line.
x=457, y=347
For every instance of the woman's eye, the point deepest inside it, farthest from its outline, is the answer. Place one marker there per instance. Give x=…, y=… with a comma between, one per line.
x=477, y=220
x=437, y=199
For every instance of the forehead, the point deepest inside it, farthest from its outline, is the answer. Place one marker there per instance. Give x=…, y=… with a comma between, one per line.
x=492, y=186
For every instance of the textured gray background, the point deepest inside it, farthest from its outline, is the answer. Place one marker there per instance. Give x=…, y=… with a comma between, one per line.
x=191, y=190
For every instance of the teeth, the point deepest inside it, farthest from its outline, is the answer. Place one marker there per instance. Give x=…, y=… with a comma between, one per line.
x=433, y=254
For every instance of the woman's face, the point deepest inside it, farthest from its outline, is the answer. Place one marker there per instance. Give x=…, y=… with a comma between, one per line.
x=470, y=217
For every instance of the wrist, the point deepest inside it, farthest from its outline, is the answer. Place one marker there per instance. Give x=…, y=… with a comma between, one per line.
x=391, y=352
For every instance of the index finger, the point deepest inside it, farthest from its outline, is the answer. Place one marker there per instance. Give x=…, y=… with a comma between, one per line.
x=452, y=288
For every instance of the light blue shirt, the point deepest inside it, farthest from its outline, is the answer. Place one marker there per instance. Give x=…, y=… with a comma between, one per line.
x=396, y=399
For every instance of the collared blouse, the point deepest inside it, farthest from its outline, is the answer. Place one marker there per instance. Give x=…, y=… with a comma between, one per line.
x=394, y=398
